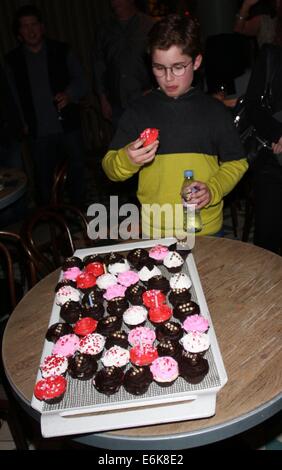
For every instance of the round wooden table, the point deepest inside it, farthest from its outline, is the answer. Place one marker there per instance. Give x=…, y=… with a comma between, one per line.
x=243, y=288
x=12, y=186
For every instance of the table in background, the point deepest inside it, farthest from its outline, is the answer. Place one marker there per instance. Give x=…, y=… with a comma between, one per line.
x=243, y=288
x=14, y=183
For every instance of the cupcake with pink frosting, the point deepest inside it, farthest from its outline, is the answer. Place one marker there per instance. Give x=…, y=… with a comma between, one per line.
x=158, y=253
x=141, y=334
x=128, y=278
x=114, y=291
x=66, y=345
x=196, y=323
x=165, y=370
x=72, y=273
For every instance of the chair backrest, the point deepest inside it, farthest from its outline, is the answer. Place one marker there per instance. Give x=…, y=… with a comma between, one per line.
x=59, y=182
x=49, y=239
x=17, y=270
x=76, y=221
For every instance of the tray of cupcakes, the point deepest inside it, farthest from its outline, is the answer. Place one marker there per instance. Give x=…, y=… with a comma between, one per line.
x=130, y=342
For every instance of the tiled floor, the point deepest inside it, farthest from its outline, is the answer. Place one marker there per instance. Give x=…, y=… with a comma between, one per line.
x=266, y=436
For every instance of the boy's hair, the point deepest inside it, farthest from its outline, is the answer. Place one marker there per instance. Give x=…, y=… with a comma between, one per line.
x=26, y=10
x=176, y=30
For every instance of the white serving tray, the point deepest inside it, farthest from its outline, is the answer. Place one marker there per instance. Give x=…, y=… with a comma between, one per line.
x=96, y=412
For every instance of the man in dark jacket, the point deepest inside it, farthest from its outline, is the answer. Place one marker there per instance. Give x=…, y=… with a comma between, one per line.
x=50, y=83
x=11, y=125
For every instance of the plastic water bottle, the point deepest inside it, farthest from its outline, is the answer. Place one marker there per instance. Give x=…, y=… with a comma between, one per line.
x=192, y=221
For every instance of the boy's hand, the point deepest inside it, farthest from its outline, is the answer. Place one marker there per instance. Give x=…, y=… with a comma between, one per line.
x=202, y=196
x=140, y=155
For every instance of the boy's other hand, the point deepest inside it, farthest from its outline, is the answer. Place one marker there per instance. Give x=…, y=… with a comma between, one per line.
x=141, y=155
x=202, y=196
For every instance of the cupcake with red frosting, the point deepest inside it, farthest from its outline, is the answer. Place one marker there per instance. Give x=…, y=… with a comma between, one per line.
x=143, y=354
x=153, y=298
x=160, y=314
x=85, y=281
x=85, y=326
x=96, y=268
x=51, y=390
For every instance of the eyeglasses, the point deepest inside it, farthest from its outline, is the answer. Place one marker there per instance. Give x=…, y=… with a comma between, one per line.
x=177, y=70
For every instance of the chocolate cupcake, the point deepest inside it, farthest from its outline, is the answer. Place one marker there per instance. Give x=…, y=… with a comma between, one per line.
x=108, y=380
x=159, y=283
x=117, y=338
x=137, y=257
x=72, y=262
x=111, y=258
x=169, y=330
x=166, y=347
x=109, y=324
x=65, y=282
x=181, y=311
x=57, y=330
x=137, y=380
x=117, y=306
x=91, y=307
x=82, y=366
x=95, y=257
x=179, y=296
x=193, y=368
x=71, y=311
x=134, y=294
x=95, y=295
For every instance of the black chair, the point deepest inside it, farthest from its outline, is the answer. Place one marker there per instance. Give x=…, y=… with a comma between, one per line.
x=49, y=239
x=19, y=276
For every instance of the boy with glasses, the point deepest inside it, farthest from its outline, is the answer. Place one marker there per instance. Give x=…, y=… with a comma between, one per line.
x=196, y=132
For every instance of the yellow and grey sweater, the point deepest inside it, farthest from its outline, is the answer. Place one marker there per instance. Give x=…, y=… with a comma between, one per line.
x=196, y=133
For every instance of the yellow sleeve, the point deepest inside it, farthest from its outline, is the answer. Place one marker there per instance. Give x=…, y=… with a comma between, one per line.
x=226, y=178
x=117, y=165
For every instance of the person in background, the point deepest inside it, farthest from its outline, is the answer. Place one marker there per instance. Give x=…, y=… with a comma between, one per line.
x=267, y=171
x=195, y=132
x=121, y=73
x=11, y=125
x=50, y=83
x=259, y=19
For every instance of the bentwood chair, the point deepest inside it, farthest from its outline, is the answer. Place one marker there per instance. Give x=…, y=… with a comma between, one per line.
x=18, y=276
x=49, y=239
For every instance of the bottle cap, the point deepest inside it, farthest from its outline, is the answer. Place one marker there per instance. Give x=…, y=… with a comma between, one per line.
x=188, y=173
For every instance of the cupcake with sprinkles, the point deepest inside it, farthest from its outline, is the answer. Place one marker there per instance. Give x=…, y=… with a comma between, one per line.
x=92, y=344
x=165, y=370
x=51, y=390
x=158, y=253
x=53, y=365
